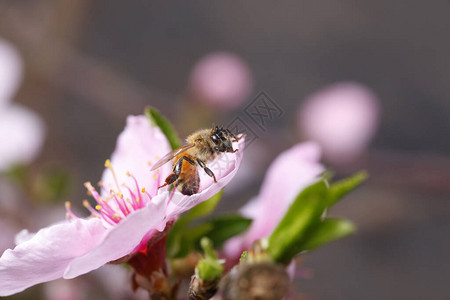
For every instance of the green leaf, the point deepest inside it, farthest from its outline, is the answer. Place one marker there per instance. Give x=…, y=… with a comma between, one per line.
x=325, y=232
x=166, y=127
x=225, y=227
x=182, y=239
x=343, y=187
x=302, y=215
x=209, y=268
x=202, y=209
x=183, y=242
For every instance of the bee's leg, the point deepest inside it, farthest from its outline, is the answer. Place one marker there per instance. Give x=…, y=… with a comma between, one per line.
x=189, y=160
x=169, y=180
x=207, y=170
x=175, y=173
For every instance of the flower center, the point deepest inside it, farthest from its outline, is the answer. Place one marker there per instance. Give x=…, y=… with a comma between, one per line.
x=114, y=206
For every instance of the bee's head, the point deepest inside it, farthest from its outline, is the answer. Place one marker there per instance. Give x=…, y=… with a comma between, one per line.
x=222, y=139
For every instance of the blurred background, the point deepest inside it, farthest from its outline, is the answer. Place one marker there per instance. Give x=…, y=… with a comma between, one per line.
x=368, y=80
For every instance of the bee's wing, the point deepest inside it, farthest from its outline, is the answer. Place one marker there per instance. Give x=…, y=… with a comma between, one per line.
x=171, y=155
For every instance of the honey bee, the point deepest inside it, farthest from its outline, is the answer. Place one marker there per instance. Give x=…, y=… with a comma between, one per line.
x=202, y=146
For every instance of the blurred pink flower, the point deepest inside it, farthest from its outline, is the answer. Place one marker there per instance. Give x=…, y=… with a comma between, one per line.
x=289, y=173
x=11, y=71
x=9, y=230
x=23, y=134
x=128, y=213
x=63, y=290
x=112, y=278
x=21, y=130
x=221, y=79
x=342, y=118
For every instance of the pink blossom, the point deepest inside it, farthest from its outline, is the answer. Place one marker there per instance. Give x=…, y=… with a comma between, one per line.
x=342, y=118
x=112, y=280
x=8, y=231
x=129, y=211
x=21, y=130
x=63, y=290
x=11, y=71
x=289, y=173
x=221, y=79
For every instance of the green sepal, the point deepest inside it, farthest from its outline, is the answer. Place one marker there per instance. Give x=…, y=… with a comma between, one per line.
x=341, y=188
x=302, y=215
x=166, y=127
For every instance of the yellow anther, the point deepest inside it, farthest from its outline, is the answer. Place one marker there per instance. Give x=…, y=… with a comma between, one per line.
x=143, y=190
x=149, y=163
x=128, y=174
x=119, y=195
x=68, y=215
x=100, y=183
x=138, y=200
x=88, y=185
x=86, y=203
x=157, y=157
x=116, y=217
x=68, y=204
x=109, y=166
x=98, y=207
x=107, y=163
x=154, y=177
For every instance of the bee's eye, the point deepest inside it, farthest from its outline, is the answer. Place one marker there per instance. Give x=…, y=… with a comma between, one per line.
x=215, y=138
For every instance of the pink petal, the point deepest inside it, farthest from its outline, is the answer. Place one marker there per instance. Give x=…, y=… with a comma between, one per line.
x=46, y=255
x=22, y=133
x=121, y=239
x=139, y=144
x=10, y=71
x=289, y=173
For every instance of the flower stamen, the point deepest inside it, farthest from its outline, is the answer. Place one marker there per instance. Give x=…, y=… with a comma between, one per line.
x=112, y=206
x=109, y=166
x=70, y=214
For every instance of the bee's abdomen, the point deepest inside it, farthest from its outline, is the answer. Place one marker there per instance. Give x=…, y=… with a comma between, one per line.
x=189, y=189
x=189, y=183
